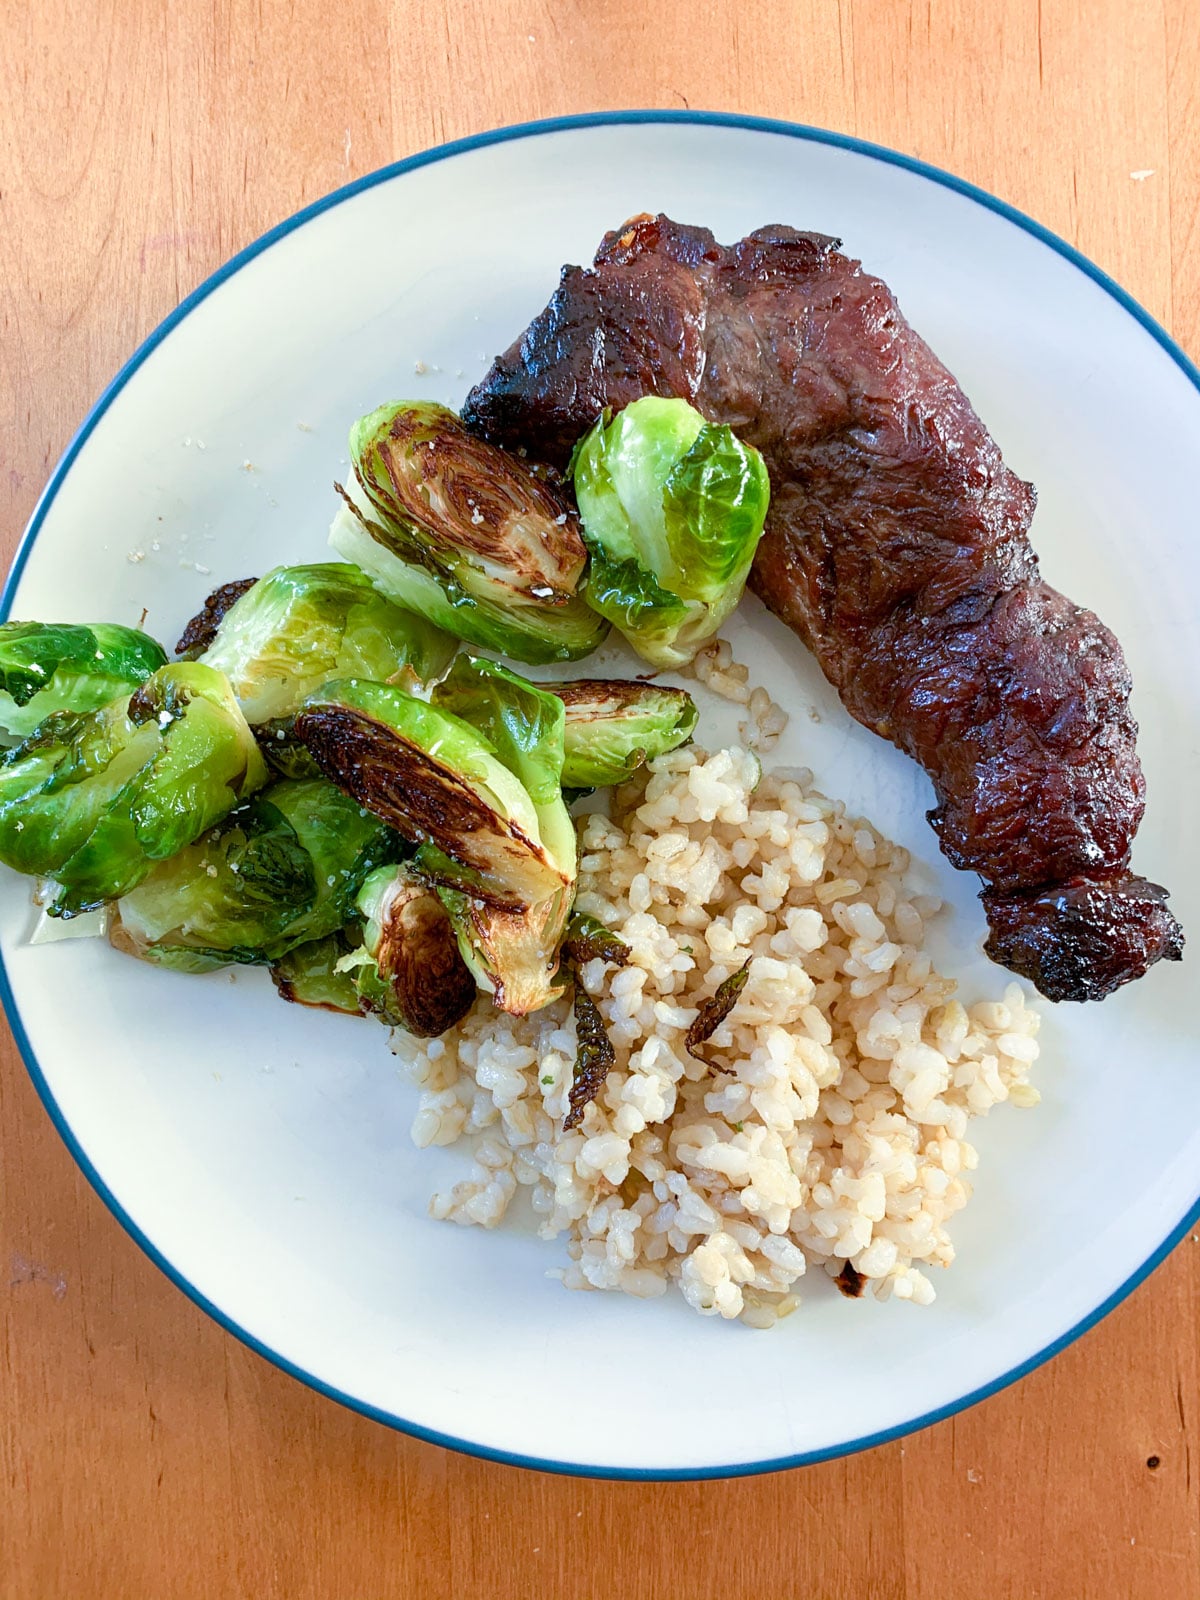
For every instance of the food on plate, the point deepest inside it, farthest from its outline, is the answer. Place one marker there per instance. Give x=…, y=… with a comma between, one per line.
x=470, y=537
x=312, y=975
x=896, y=546
x=614, y=726
x=672, y=509
x=297, y=627
x=829, y=1122
x=483, y=802
x=280, y=871
x=49, y=666
x=409, y=971
x=93, y=799
x=201, y=629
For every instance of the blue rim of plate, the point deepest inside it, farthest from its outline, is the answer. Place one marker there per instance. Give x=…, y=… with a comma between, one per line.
x=526, y=130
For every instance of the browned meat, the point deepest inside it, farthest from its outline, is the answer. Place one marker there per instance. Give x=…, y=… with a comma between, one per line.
x=895, y=547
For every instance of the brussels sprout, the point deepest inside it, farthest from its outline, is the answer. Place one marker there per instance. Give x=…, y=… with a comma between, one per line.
x=48, y=666
x=503, y=862
x=410, y=971
x=281, y=871
x=93, y=800
x=672, y=510
x=466, y=534
x=434, y=779
x=311, y=975
x=614, y=727
x=283, y=751
x=525, y=725
x=299, y=626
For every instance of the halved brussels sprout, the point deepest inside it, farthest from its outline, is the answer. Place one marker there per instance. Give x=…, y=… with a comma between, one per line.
x=613, y=727
x=434, y=779
x=300, y=626
x=410, y=970
x=281, y=871
x=48, y=666
x=672, y=508
x=503, y=863
x=93, y=800
x=466, y=534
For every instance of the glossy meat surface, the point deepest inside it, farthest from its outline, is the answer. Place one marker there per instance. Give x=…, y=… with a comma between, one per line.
x=896, y=547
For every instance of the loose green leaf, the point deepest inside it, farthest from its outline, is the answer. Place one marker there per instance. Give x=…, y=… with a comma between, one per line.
x=714, y=1010
x=589, y=940
x=309, y=975
x=594, y=1060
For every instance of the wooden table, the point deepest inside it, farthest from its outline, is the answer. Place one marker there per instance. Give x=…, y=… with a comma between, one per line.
x=143, y=1452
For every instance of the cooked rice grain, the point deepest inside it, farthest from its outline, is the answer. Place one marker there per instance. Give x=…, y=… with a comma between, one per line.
x=828, y=1122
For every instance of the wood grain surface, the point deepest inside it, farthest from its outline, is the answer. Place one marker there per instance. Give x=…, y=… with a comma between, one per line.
x=143, y=1452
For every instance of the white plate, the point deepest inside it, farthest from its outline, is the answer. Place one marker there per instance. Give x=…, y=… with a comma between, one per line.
x=260, y=1153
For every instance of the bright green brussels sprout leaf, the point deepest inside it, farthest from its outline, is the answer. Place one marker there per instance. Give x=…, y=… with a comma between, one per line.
x=47, y=667
x=441, y=783
x=672, y=508
x=310, y=975
x=463, y=533
x=523, y=722
x=280, y=871
x=93, y=800
x=299, y=626
x=613, y=727
x=411, y=973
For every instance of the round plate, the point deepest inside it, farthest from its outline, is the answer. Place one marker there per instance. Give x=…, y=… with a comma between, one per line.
x=260, y=1153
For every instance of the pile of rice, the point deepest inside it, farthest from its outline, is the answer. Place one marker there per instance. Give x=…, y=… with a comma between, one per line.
x=828, y=1121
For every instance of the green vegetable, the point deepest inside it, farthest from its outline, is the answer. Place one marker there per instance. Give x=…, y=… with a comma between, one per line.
x=310, y=975
x=672, y=510
x=613, y=728
x=503, y=863
x=281, y=871
x=594, y=1059
x=410, y=971
x=300, y=626
x=465, y=534
x=588, y=940
x=47, y=667
x=93, y=800
x=525, y=725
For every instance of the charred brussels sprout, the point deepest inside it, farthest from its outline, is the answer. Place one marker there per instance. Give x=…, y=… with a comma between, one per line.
x=466, y=534
x=614, y=727
x=94, y=800
x=481, y=801
x=47, y=667
x=299, y=626
x=672, y=508
x=281, y=871
x=410, y=970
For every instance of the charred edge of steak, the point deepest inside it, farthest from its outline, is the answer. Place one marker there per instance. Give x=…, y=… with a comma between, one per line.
x=1083, y=939
x=202, y=629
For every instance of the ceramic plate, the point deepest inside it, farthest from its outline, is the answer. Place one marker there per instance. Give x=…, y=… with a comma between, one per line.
x=260, y=1153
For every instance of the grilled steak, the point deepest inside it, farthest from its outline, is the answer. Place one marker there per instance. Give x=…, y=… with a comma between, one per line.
x=896, y=547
